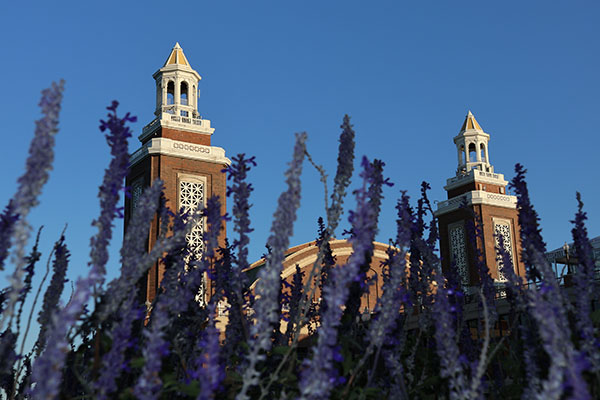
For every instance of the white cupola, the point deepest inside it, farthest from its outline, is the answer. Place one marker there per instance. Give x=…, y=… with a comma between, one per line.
x=177, y=86
x=472, y=147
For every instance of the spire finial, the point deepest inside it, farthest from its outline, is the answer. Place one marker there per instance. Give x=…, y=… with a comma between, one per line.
x=177, y=56
x=470, y=123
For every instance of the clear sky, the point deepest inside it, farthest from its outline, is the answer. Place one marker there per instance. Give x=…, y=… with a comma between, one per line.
x=406, y=72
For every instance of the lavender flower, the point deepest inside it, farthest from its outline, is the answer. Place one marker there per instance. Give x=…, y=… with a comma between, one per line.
x=584, y=290
x=547, y=305
x=531, y=235
x=345, y=168
x=135, y=260
x=318, y=375
x=233, y=280
x=8, y=218
x=38, y=165
x=172, y=300
x=448, y=352
x=268, y=287
x=53, y=292
x=394, y=290
x=118, y=134
x=295, y=296
x=241, y=189
x=47, y=370
x=374, y=194
x=122, y=293
x=175, y=298
x=32, y=259
x=208, y=369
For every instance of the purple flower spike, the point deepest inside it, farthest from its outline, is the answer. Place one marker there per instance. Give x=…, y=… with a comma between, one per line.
x=319, y=370
x=345, y=168
x=208, y=368
x=8, y=218
x=54, y=291
x=241, y=189
x=585, y=291
x=531, y=235
x=268, y=286
x=117, y=136
x=37, y=167
x=179, y=290
x=122, y=294
x=47, y=370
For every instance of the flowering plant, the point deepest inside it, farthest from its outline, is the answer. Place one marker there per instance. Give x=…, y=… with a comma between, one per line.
x=425, y=338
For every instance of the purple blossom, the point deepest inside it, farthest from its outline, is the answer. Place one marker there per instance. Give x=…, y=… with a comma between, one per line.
x=268, y=289
x=241, y=189
x=30, y=184
x=530, y=232
x=114, y=361
x=318, y=371
x=359, y=286
x=32, y=259
x=122, y=294
x=50, y=304
x=394, y=290
x=117, y=136
x=584, y=290
x=47, y=369
x=451, y=367
x=135, y=259
x=8, y=218
x=345, y=168
x=547, y=305
x=208, y=368
x=177, y=294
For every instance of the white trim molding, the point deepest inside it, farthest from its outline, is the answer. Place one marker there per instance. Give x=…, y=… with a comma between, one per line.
x=176, y=148
x=475, y=175
x=477, y=197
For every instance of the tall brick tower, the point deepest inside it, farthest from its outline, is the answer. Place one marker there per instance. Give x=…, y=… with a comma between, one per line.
x=485, y=195
x=176, y=147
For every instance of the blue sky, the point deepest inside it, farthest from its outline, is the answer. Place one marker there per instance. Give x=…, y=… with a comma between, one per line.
x=406, y=72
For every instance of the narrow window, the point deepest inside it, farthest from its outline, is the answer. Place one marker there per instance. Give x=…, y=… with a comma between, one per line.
x=482, y=152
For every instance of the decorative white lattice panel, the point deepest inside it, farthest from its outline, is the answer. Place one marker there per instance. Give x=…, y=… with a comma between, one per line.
x=502, y=229
x=191, y=197
x=458, y=252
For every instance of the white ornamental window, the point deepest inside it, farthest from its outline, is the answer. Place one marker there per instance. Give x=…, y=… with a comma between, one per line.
x=191, y=198
x=137, y=187
x=458, y=251
x=502, y=229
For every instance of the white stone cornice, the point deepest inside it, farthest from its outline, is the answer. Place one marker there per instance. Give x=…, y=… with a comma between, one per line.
x=474, y=198
x=475, y=175
x=195, y=125
x=176, y=148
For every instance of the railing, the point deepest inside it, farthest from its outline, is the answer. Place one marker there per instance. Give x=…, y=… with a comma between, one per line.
x=175, y=118
x=501, y=288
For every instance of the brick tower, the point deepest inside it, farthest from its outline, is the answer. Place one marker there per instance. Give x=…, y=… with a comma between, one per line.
x=176, y=147
x=484, y=193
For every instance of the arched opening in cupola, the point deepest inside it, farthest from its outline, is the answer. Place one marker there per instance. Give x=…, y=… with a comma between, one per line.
x=170, y=92
x=482, y=152
x=184, y=94
x=472, y=153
